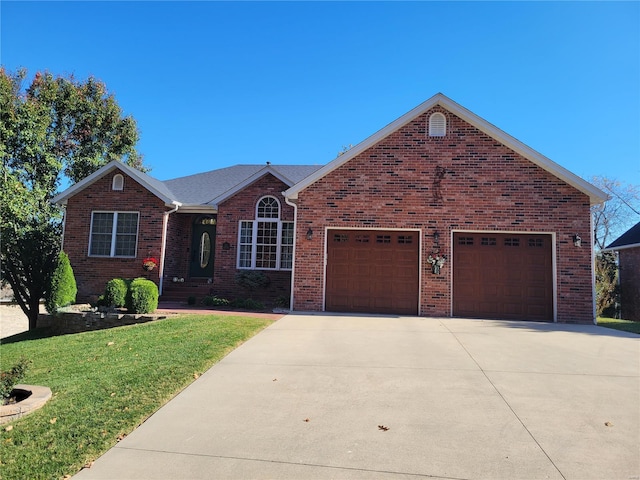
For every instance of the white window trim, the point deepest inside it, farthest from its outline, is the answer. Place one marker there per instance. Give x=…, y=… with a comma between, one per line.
x=113, y=234
x=254, y=238
x=254, y=244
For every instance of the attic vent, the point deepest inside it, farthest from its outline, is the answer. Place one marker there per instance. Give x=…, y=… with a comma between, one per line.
x=118, y=182
x=437, y=125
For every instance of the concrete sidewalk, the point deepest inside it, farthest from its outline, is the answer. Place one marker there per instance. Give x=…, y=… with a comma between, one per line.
x=353, y=397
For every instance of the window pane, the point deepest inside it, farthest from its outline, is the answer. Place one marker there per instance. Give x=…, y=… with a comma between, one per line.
x=267, y=245
x=286, y=249
x=268, y=208
x=246, y=237
x=101, y=230
x=126, y=234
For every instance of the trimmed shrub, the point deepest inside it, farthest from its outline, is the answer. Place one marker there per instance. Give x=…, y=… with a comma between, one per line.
x=247, y=304
x=143, y=296
x=215, y=301
x=252, y=280
x=9, y=378
x=62, y=286
x=191, y=300
x=115, y=293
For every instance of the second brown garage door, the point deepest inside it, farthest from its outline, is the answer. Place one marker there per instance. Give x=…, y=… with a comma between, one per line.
x=372, y=271
x=503, y=276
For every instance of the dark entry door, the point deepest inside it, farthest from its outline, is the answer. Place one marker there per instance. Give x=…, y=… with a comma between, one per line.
x=202, y=247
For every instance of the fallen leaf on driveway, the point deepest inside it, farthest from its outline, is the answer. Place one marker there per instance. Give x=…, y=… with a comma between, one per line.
x=383, y=428
x=306, y=420
x=608, y=424
x=88, y=465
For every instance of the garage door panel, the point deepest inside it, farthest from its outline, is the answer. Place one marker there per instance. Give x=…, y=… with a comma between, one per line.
x=377, y=271
x=503, y=276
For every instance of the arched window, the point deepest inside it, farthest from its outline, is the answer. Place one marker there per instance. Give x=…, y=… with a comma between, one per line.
x=118, y=182
x=437, y=125
x=266, y=243
x=268, y=207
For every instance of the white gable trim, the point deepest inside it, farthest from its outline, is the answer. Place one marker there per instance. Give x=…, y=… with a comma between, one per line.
x=137, y=175
x=248, y=181
x=595, y=195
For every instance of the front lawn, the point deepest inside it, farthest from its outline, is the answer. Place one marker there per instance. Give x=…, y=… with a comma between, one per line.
x=104, y=384
x=624, y=325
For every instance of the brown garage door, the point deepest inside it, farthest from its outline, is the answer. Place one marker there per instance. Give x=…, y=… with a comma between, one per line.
x=502, y=276
x=372, y=271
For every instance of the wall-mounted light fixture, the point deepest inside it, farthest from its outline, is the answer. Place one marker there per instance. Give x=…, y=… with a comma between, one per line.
x=310, y=234
x=226, y=246
x=577, y=240
x=436, y=237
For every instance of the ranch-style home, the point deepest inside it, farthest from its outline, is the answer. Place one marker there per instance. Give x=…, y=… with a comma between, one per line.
x=440, y=213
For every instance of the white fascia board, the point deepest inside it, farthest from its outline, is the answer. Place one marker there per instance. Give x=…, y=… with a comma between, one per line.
x=197, y=209
x=248, y=181
x=595, y=195
x=101, y=172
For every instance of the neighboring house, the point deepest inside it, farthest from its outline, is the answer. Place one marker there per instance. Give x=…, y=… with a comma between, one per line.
x=438, y=214
x=628, y=248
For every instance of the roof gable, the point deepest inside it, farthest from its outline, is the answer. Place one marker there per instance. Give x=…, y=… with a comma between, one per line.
x=629, y=239
x=595, y=195
x=211, y=188
x=158, y=188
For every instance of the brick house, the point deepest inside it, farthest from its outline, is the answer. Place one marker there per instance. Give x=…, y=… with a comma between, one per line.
x=438, y=214
x=628, y=248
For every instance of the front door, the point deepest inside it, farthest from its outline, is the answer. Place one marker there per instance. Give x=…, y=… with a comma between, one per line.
x=202, y=247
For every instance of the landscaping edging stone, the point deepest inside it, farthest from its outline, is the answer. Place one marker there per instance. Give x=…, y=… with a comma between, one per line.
x=76, y=322
x=39, y=396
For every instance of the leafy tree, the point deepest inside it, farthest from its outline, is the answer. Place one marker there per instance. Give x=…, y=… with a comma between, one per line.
x=56, y=130
x=610, y=220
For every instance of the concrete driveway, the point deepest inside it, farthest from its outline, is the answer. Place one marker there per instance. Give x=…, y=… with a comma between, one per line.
x=354, y=397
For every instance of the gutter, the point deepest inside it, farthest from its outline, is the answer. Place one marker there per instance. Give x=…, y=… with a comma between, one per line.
x=163, y=251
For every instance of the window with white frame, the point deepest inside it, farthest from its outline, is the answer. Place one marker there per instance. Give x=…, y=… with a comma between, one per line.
x=266, y=243
x=113, y=234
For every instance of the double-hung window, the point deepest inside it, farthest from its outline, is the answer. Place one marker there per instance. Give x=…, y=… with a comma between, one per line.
x=266, y=243
x=113, y=234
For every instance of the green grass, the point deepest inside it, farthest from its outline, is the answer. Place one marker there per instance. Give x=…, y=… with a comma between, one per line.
x=104, y=384
x=624, y=325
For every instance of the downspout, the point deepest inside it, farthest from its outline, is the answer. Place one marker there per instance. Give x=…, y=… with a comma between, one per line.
x=594, y=293
x=295, y=241
x=163, y=251
x=64, y=226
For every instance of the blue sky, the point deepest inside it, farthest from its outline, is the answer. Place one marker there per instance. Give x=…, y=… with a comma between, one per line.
x=213, y=84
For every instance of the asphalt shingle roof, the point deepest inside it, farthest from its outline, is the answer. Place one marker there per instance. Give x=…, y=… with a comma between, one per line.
x=630, y=237
x=202, y=188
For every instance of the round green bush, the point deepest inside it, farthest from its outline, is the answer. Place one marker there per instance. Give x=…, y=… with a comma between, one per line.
x=143, y=296
x=115, y=293
x=62, y=286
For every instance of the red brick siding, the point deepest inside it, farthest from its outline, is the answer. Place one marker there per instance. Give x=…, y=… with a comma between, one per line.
x=179, y=230
x=485, y=186
x=92, y=273
x=242, y=206
x=630, y=283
